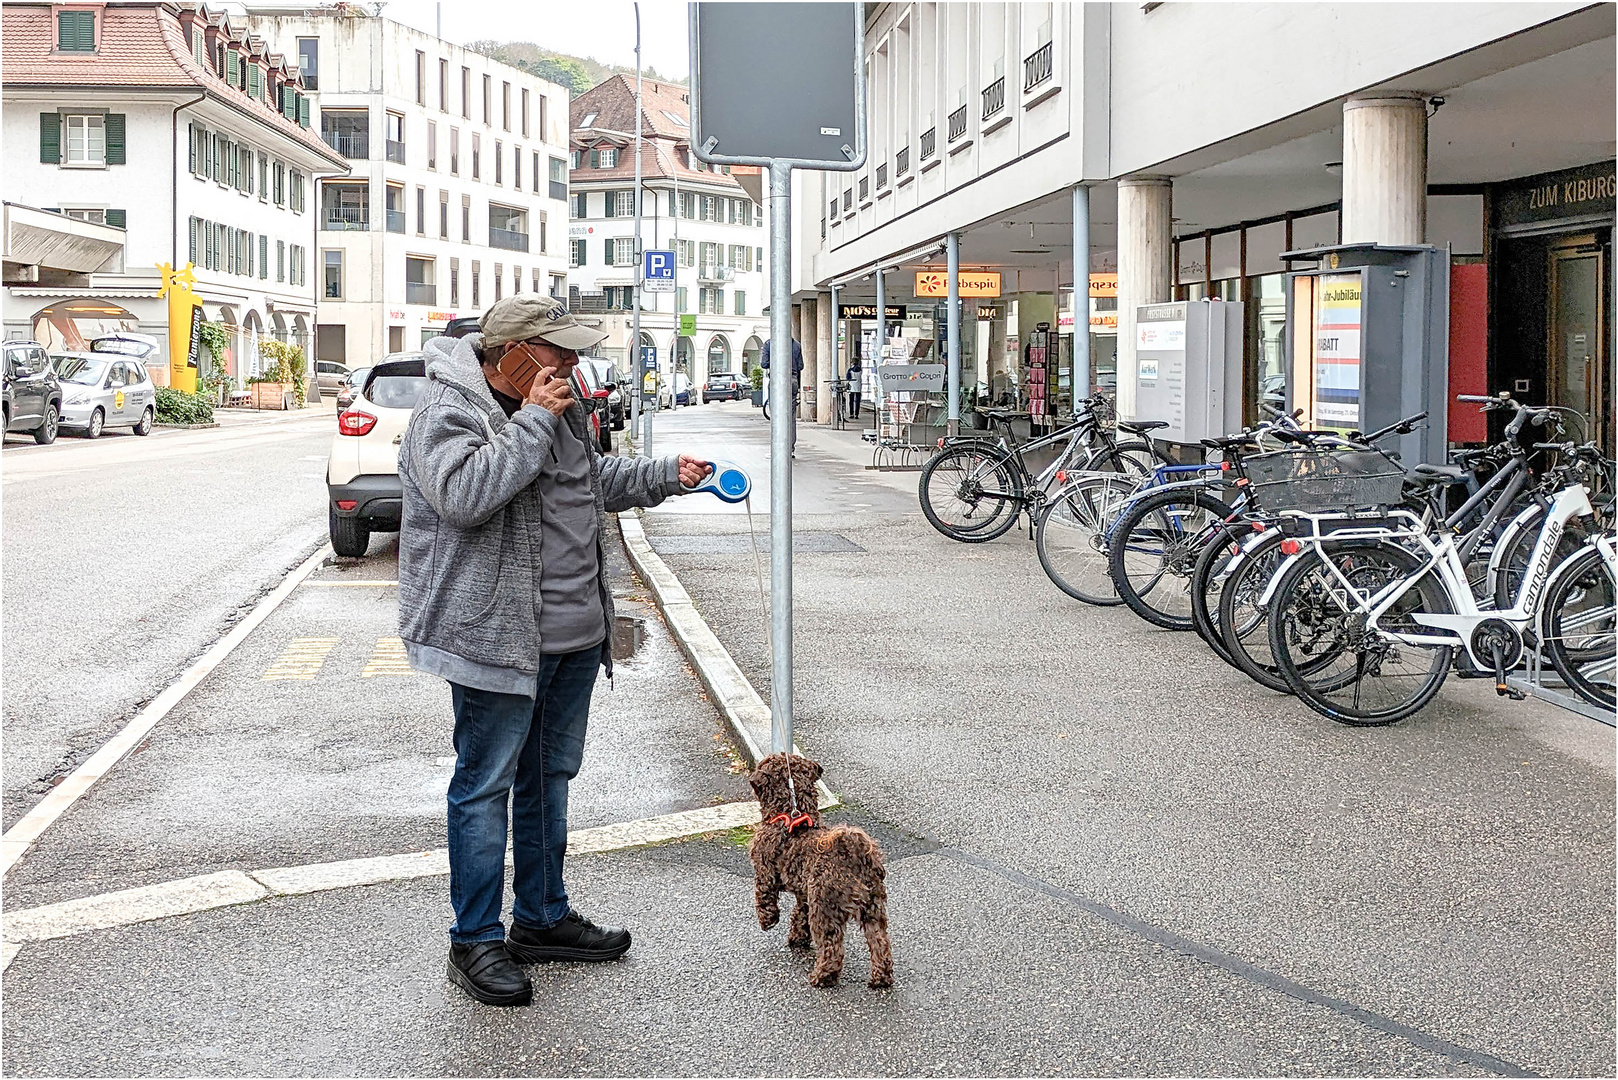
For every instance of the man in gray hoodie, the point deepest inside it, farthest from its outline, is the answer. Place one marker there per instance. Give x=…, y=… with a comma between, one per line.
x=503, y=593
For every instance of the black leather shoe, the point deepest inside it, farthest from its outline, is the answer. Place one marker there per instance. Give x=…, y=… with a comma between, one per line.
x=484, y=970
x=574, y=938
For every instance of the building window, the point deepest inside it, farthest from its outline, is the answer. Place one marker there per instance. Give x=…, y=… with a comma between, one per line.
x=508, y=227
x=542, y=114
x=605, y=157
x=309, y=62
x=455, y=151
x=87, y=134
x=499, y=281
x=76, y=31
x=455, y=283
x=395, y=208
x=421, y=77
x=558, y=281
x=349, y=132
x=499, y=162
x=525, y=120
x=396, y=138
x=516, y=167
x=534, y=173
x=558, y=177
x=505, y=106
x=681, y=300
x=420, y=285
x=334, y=276
x=466, y=219
x=741, y=301
x=688, y=205
x=536, y=279
x=263, y=178
x=443, y=85
x=279, y=175
x=281, y=261
x=740, y=257
x=573, y=158
x=477, y=297
x=544, y=243
x=421, y=210
x=685, y=252
x=432, y=145
x=516, y=280
x=466, y=93
x=576, y=253
x=477, y=154
x=443, y=215
x=488, y=83
x=578, y=204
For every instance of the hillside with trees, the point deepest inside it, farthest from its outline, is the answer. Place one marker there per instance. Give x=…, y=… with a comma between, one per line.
x=577, y=73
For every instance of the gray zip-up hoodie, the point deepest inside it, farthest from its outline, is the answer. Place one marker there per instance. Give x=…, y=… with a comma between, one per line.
x=469, y=541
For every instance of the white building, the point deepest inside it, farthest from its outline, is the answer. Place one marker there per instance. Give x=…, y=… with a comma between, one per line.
x=175, y=125
x=1208, y=139
x=713, y=225
x=458, y=189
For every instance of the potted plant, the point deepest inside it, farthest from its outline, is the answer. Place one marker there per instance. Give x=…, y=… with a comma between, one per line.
x=758, y=387
x=282, y=386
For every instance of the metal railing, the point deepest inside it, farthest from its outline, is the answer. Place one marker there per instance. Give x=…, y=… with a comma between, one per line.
x=396, y=221
x=994, y=97
x=1037, y=67
x=865, y=188
x=929, y=143
x=508, y=239
x=559, y=189
x=901, y=162
x=353, y=146
x=346, y=219
x=421, y=292
x=716, y=273
x=882, y=176
x=396, y=152
x=848, y=199
x=957, y=123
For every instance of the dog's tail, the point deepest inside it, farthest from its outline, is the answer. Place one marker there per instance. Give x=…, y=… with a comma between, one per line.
x=854, y=848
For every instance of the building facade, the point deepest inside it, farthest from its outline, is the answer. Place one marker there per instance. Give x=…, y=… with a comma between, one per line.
x=1186, y=147
x=176, y=125
x=457, y=193
x=702, y=213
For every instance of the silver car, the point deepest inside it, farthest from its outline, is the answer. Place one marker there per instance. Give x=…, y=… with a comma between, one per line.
x=102, y=390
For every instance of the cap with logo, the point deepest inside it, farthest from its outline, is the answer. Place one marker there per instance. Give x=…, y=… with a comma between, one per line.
x=520, y=318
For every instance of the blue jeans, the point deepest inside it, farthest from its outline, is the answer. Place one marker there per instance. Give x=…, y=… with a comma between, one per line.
x=525, y=750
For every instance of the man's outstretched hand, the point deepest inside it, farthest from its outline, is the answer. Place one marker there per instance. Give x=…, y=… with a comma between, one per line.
x=692, y=471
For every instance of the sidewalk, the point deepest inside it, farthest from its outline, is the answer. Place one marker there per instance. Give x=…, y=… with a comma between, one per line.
x=229, y=417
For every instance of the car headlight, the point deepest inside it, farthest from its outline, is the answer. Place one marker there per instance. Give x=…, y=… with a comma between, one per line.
x=77, y=399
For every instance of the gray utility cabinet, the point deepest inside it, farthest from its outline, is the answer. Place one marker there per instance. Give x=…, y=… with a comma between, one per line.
x=1190, y=368
x=1367, y=342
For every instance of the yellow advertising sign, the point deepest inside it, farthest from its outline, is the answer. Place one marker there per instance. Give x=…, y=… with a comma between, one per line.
x=183, y=325
x=972, y=283
x=1104, y=285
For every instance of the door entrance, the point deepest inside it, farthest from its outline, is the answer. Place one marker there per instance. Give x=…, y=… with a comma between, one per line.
x=1577, y=337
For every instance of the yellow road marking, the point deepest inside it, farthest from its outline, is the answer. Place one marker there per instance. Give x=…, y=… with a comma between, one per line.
x=302, y=659
x=387, y=659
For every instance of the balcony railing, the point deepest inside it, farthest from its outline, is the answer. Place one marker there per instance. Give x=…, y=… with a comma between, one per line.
x=346, y=219
x=421, y=292
x=865, y=188
x=994, y=97
x=957, y=123
x=901, y=162
x=559, y=189
x=1037, y=67
x=396, y=221
x=882, y=176
x=355, y=147
x=396, y=152
x=716, y=273
x=508, y=239
x=848, y=199
x=929, y=143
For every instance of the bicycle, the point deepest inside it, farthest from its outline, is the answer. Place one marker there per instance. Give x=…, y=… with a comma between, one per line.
x=976, y=488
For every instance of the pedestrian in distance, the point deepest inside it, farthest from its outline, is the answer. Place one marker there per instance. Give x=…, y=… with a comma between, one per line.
x=503, y=593
x=797, y=381
x=856, y=384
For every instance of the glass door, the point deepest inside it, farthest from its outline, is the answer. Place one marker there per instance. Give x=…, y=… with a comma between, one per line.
x=1577, y=333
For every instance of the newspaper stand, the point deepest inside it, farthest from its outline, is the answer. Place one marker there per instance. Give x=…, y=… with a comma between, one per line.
x=904, y=389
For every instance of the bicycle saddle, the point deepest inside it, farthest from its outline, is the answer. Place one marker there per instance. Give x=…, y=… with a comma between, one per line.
x=1141, y=427
x=1449, y=474
x=1226, y=441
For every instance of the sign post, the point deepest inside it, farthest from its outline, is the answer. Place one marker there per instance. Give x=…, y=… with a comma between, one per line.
x=810, y=113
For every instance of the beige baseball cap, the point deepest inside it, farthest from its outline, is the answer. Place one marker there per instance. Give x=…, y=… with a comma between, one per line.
x=530, y=315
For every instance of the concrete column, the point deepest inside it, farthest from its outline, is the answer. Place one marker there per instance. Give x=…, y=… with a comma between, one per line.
x=811, y=360
x=825, y=357
x=1081, y=292
x=1385, y=169
x=1145, y=268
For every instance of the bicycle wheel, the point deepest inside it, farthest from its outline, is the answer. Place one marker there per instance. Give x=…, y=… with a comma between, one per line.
x=1131, y=458
x=1243, y=620
x=1578, y=625
x=1213, y=565
x=1153, y=548
x=1513, y=561
x=1331, y=660
x=971, y=494
x=1071, y=533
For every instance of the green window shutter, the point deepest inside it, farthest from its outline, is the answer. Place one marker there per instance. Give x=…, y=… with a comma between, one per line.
x=118, y=219
x=50, y=137
x=193, y=129
x=115, y=138
x=252, y=80
x=233, y=67
x=193, y=248
x=263, y=257
x=75, y=31
x=303, y=111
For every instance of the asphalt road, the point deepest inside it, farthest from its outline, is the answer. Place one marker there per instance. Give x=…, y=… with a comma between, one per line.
x=124, y=558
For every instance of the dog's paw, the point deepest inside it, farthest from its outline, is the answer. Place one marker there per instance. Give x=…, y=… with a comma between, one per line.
x=804, y=942
x=881, y=982
x=823, y=978
x=768, y=919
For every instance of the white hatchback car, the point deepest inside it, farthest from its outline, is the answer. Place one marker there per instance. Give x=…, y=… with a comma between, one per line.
x=362, y=472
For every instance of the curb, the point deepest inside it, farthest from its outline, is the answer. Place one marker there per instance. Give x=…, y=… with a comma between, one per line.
x=744, y=712
x=184, y=427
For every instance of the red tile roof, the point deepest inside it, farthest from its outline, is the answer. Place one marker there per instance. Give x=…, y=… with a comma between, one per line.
x=139, y=45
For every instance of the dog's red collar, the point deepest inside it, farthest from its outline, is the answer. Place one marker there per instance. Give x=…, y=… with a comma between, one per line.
x=793, y=824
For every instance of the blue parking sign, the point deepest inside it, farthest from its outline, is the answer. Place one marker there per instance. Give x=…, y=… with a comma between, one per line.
x=658, y=271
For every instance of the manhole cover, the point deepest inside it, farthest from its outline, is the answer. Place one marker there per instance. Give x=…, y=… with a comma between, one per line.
x=738, y=543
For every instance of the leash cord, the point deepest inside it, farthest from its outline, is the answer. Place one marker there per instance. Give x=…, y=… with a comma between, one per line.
x=769, y=639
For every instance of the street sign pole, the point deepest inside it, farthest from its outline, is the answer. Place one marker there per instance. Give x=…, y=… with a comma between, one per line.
x=634, y=334
x=781, y=419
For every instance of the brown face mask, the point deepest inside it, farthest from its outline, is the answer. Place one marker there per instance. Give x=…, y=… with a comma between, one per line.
x=521, y=365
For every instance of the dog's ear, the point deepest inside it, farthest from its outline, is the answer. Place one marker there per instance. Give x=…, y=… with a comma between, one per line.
x=816, y=772
x=756, y=783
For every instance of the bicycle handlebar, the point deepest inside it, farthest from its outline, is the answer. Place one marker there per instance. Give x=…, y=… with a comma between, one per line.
x=1403, y=427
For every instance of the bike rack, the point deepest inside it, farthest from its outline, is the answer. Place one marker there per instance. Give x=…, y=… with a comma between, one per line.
x=1532, y=682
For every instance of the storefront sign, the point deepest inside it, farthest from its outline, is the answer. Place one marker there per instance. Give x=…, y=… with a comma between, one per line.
x=972, y=283
x=1064, y=322
x=395, y=313
x=911, y=378
x=1572, y=193
x=1103, y=322
x=1337, y=350
x=988, y=311
x=1104, y=285
x=688, y=325
x=1160, y=335
x=440, y=316
x=185, y=325
x=579, y=232
x=868, y=311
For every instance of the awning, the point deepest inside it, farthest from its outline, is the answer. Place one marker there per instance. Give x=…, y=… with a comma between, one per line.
x=39, y=238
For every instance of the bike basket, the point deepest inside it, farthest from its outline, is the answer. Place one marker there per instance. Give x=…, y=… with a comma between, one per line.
x=1323, y=481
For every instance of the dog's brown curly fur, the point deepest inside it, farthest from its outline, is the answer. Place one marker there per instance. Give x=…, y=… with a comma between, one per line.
x=836, y=874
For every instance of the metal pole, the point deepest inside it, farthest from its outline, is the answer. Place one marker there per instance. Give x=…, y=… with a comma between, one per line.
x=952, y=319
x=881, y=343
x=836, y=357
x=1081, y=292
x=634, y=334
x=781, y=458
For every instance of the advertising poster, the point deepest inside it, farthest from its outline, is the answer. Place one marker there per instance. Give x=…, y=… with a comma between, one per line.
x=1337, y=351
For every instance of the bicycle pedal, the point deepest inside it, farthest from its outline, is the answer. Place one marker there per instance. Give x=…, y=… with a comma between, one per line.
x=1509, y=692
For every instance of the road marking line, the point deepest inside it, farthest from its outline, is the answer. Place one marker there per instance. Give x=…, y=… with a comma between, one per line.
x=22, y=835
x=302, y=659
x=227, y=888
x=388, y=659
x=355, y=583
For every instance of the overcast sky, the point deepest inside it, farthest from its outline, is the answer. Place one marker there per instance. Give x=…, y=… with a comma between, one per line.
x=604, y=29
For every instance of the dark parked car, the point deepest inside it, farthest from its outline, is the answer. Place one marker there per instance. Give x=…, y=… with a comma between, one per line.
x=607, y=376
x=351, y=387
x=725, y=386
x=33, y=393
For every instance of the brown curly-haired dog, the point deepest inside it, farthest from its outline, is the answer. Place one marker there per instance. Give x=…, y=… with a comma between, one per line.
x=836, y=873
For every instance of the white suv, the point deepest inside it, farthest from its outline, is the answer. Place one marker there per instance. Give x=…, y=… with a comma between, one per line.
x=362, y=473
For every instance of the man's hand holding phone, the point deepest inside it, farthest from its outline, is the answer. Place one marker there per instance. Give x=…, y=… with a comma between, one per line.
x=549, y=392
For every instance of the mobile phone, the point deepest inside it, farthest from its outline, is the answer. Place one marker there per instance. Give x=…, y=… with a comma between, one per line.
x=521, y=366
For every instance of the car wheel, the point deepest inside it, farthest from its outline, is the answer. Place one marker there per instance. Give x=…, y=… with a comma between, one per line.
x=605, y=441
x=145, y=425
x=98, y=420
x=45, y=434
x=349, y=536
